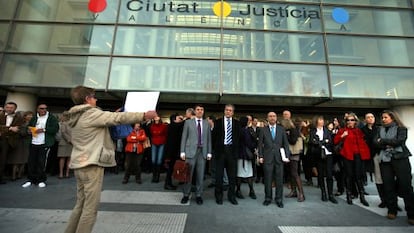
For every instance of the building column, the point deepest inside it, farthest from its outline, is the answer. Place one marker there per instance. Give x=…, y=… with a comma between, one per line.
x=24, y=101
x=406, y=113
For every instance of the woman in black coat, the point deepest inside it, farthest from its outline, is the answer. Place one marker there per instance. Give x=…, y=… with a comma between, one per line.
x=395, y=164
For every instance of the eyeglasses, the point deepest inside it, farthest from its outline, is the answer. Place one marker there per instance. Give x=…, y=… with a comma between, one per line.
x=350, y=120
x=42, y=108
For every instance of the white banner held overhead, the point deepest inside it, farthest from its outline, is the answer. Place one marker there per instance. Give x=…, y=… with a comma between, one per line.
x=141, y=101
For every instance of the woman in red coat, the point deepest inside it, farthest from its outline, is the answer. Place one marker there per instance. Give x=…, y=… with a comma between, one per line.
x=354, y=150
x=134, y=150
x=158, y=132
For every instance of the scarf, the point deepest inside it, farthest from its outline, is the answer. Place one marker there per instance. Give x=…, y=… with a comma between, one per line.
x=387, y=153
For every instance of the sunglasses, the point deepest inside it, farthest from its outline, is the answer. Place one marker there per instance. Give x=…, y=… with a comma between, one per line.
x=92, y=96
x=350, y=120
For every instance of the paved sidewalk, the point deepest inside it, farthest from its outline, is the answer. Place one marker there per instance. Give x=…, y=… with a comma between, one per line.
x=149, y=208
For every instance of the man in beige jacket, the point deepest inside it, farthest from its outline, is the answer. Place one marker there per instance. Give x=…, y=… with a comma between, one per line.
x=93, y=150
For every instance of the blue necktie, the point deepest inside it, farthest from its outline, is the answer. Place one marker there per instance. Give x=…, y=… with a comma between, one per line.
x=229, y=133
x=273, y=132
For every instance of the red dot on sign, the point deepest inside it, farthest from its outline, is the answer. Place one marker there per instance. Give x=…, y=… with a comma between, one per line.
x=97, y=6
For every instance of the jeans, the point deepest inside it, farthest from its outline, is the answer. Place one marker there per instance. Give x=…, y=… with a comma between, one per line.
x=89, y=185
x=157, y=154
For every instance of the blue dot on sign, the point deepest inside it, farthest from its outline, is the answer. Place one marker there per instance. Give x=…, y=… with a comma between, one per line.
x=340, y=15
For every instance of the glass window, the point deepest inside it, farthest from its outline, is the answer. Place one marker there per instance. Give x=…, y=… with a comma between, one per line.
x=372, y=82
x=369, y=21
x=66, y=11
x=169, y=75
x=370, y=51
x=4, y=31
x=7, y=8
x=168, y=42
x=244, y=45
x=388, y=3
x=275, y=79
x=273, y=46
x=73, y=39
x=243, y=15
x=54, y=71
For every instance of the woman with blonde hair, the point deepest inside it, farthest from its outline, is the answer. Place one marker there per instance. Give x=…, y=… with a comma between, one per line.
x=296, y=148
x=354, y=150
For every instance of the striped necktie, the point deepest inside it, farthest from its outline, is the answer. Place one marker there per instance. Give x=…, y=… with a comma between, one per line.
x=229, y=132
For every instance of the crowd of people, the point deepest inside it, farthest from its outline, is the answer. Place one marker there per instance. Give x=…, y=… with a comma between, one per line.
x=231, y=151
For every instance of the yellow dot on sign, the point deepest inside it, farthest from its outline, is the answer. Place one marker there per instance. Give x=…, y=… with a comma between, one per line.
x=226, y=9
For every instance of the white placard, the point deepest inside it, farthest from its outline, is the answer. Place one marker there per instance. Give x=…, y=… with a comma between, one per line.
x=141, y=101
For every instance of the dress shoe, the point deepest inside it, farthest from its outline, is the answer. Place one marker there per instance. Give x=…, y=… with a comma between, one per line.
x=124, y=181
x=3, y=182
x=391, y=216
x=382, y=205
x=199, y=200
x=292, y=194
x=170, y=187
x=338, y=194
x=279, y=204
x=233, y=201
x=332, y=199
x=219, y=201
x=301, y=197
x=184, y=200
x=266, y=202
x=252, y=195
x=411, y=221
x=239, y=194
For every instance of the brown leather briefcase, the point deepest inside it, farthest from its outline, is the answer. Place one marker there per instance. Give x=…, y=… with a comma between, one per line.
x=181, y=171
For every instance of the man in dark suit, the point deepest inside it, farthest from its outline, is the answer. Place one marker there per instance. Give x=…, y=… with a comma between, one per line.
x=10, y=123
x=195, y=149
x=226, y=146
x=273, y=151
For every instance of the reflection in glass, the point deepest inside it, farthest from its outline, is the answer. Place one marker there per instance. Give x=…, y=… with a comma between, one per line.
x=168, y=42
x=7, y=8
x=244, y=15
x=4, y=30
x=372, y=21
x=388, y=3
x=165, y=75
x=370, y=50
x=275, y=79
x=372, y=82
x=66, y=11
x=54, y=71
x=73, y=39
x=243, y=45
x=247, y=45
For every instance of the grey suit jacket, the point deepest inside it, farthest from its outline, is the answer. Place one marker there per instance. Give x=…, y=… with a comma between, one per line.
x=190, y=137
x=269, y=149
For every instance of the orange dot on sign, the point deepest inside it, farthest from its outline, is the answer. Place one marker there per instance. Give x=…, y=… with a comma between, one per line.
x=218, y=7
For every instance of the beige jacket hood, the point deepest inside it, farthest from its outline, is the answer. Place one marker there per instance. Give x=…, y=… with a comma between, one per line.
x=91, y=140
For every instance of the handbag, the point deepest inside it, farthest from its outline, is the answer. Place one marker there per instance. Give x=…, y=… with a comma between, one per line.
x=146, y=144
x=181, y=171
x=338, y=147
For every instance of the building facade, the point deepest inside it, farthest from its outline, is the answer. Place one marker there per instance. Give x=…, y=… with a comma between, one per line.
x=304, y=53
